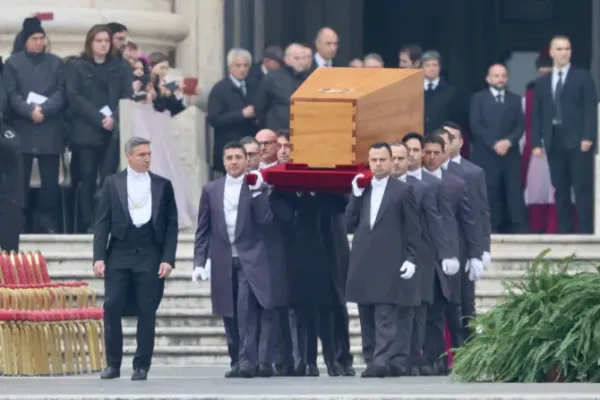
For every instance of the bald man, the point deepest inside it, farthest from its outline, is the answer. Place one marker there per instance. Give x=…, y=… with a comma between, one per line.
x=327, y=44
x=272, y=101
x=497, y=124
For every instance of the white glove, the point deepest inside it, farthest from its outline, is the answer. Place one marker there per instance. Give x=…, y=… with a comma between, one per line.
x=486, y=259
x=450, y=266
x=259, y=180
x=356, y=191
x=202, y=273
x=407, y=270
x=474, y=267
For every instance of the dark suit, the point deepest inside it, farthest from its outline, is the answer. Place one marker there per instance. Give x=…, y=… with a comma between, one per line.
x=241, y=287
x=441, y=104
x=132, y=256
x=386, y=301
x=224, y=113
x=256, y=75
x=461, y=230
x=434, y=248
x=492, y=121
x=560, y=130
x=474, y=178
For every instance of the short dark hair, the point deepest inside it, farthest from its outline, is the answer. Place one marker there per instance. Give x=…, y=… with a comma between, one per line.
x=399, y=143
x=414, y=51
x=116, y=27
x=381, y=145
x=247, y=140
x=235, y=145
x=442, y=132
x=284, y=133
x=434, y=138
x=413, y=135
x=453, y=125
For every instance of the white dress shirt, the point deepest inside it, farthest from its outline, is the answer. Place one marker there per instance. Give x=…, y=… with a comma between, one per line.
x=445, y=164
x=377, y=189
x=139, y=197
x=417, y=173
x=262, y=165
x=437, y=173
x=555, y=71
x=231, y=200
x=321, y=62
x=496, y=93
x=434, y=83
x=456, y=159
x=402, y=178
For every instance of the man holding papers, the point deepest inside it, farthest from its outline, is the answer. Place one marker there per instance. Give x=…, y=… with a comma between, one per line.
x=34, y=86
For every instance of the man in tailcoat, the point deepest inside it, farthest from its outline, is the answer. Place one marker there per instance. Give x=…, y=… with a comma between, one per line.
x=135, y=240
x=231, y=218
x=435, y=253
x=385, y=222
x=462, y=233
x=474, y=177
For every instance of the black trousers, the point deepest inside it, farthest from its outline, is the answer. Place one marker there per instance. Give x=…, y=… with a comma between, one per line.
x=467, y=305
x=48, y=199
x=89, y=161
x=439, y=313
x=116, y=288
x=314, y=322
x=341, y=334
x=572, y=170
x=418, y=335
x=284, y=346
x=505, y=195
x=11, y=217
x=255, y=340
x=379, y=333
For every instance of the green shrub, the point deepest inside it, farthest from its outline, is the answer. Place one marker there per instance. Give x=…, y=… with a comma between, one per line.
x=547, y=329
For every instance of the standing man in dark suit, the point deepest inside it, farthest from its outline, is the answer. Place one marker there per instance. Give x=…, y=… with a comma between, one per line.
x=230, y=221
x=441, y=98
x=497, y=125
x=564, y=125
x=385, y=221
x=474, y=178
x=436, y=255
x=230, y=110
x=135, y=240
x=326, y=45
x=462, y=232
x=271, y=61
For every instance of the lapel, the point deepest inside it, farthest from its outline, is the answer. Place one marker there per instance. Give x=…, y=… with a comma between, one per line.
x=243, y=206
x=220, y=193
x=156, y=190
x=121, y=184
x=235, y=89
x=384, y=202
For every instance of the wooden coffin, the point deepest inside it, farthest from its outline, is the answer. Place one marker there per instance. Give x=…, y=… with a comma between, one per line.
x=338, y=113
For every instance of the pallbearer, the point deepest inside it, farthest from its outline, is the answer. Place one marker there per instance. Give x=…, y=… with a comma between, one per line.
x=385, y=221
x=436, y=255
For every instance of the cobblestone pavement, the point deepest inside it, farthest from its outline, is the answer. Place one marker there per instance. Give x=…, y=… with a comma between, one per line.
x=207, y=383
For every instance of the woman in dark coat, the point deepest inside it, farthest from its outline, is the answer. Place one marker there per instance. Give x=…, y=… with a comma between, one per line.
x=95, y=84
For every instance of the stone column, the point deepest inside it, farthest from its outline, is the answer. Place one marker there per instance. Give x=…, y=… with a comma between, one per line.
x=151, y=22
x=201, y=55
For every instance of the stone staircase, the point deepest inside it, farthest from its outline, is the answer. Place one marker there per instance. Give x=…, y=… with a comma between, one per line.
x=187, y=332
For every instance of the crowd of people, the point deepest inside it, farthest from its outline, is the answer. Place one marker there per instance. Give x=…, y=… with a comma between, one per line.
x=507, y=134
x=65, y=114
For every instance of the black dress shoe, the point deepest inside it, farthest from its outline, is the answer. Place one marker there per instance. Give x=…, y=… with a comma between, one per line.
x=414, y=371
x=139, y=375
x=375, y=371
x=397, y=370
x=333, y=369
x=234, y=372
x=301, y=369
x=110, y=373
x=247, y=371
x=347, y=370
x=426, y=370
x=265, y=370
x=284, y=370
x=312, y=370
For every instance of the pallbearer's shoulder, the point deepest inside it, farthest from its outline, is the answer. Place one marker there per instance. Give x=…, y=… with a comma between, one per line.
x=159, y=178
x=212, y=184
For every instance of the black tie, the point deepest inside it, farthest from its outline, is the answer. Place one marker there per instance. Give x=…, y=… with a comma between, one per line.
x=430, y=87
x=557, y=94
x=499, y=98
x=243, y=88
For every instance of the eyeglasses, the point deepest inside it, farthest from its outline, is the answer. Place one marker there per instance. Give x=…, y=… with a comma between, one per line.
x=251, y=154
x=267, y=143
